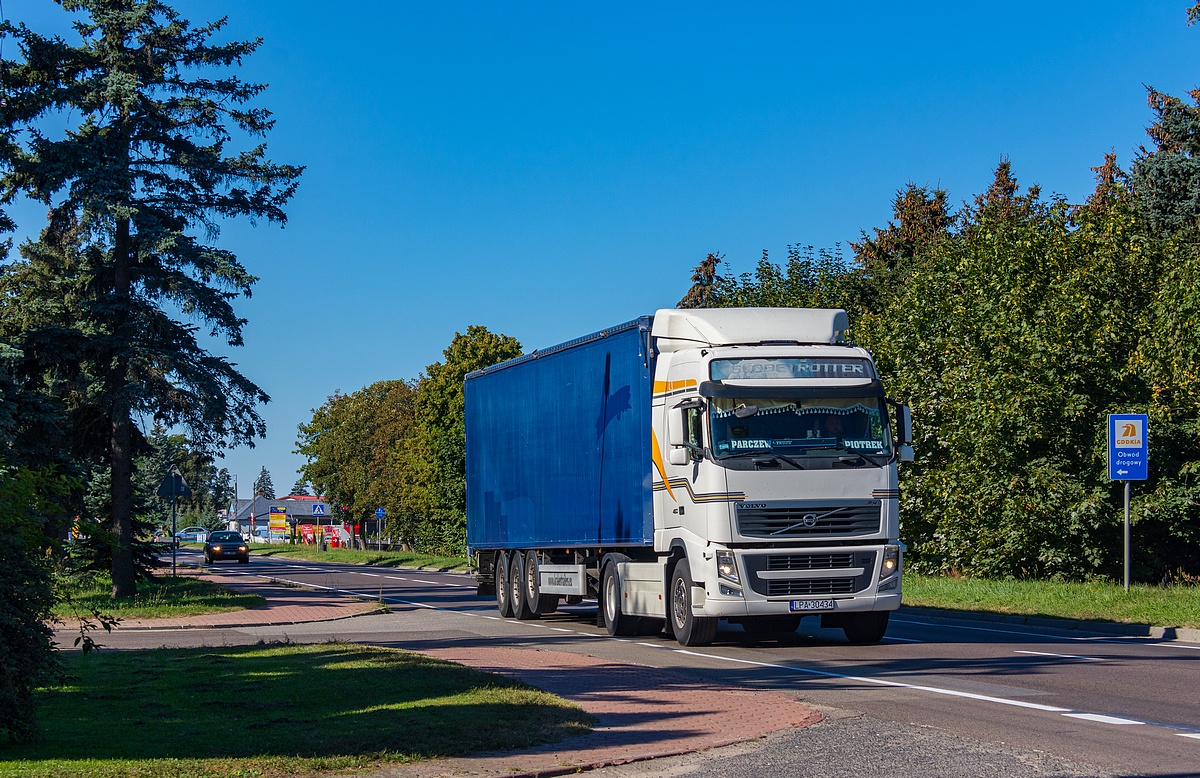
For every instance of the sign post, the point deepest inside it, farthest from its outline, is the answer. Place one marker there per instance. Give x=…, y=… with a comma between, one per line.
x=1128, y=459
x=174, y=486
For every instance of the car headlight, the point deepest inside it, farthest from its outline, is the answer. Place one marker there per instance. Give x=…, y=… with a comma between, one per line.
x=727, y=567
x=242, y=548
x=216, y=549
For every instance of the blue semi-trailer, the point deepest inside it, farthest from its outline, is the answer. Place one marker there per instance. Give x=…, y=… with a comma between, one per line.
x=688, y=467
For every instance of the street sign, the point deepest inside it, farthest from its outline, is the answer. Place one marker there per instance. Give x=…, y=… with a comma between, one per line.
x=1128, y=447
x=379, y=513
x=174, y=485
x=318, y=509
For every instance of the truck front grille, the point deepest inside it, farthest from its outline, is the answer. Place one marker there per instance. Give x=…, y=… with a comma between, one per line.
x=805, y=587
x=819, y=573
x=809, y=561
x=799, y=520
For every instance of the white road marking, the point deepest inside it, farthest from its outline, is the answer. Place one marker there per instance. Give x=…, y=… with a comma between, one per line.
x=372, y=575
x=1063, y=656
x=882, y=682
x=1119, y=639
x=1101, y=718
x=431, y=583
x=395, y=578
x=1192, y=735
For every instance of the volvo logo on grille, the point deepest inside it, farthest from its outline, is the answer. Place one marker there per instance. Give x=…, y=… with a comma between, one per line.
x=751, y=505
x=809, y=519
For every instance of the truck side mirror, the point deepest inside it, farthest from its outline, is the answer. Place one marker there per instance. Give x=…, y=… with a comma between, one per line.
x=677, y=453
x=906, y=426
x=675, y=438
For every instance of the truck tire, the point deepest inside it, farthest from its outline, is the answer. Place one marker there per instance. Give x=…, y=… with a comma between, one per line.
x=689, y=630
x=522, y=608
x=615, y=621
x=541, y=603
x=503, y=590
x=864, y=628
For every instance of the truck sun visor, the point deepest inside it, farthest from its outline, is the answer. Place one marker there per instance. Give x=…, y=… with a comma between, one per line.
x=769, y=392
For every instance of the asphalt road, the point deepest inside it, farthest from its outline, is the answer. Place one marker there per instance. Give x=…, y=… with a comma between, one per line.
x=1116, y=706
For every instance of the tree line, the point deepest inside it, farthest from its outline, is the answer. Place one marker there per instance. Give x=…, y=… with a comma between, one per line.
x=400, y=445
x=1013, y=326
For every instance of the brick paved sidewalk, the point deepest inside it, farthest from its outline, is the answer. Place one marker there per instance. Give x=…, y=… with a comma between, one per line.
x=285, y=605
x=642, y=712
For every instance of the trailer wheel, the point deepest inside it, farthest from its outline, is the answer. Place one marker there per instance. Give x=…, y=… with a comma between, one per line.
x=540, y=603
x=522, y=608
x=864, y=628
x=689, y=630
x=503, y=591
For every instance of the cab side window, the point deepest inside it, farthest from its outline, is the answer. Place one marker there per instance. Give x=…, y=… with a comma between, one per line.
x=693, y=427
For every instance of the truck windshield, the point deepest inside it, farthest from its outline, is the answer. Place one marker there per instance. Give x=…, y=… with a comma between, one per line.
x=797, y=428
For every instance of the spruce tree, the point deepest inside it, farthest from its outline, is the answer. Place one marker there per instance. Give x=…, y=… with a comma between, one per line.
x=263, y=485
x=136, y=193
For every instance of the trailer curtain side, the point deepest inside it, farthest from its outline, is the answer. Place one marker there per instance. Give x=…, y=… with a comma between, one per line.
x=558, y=446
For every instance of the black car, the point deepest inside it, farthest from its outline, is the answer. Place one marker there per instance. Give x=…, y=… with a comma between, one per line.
x=226, y=544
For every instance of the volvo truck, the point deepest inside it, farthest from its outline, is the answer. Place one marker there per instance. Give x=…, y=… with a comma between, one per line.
x=690, y=467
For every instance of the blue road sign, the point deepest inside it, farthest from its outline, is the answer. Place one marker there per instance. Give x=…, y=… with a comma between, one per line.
x=1128, y=447
x=318, y=509
x=379, y=514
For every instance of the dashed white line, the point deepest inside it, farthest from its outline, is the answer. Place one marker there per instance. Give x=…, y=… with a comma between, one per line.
x=1192, y=735
x=1101, y=718
x=1118, y=639
x=1063, y=656
x=431, y=583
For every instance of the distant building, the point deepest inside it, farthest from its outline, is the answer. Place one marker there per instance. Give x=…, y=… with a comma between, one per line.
x=249, y=515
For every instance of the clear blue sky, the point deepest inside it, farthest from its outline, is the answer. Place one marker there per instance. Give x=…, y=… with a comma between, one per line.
x=548, y=169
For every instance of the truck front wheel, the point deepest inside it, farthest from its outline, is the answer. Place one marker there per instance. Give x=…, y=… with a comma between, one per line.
x=503, y=591
x=864, y=628
x=689, y=630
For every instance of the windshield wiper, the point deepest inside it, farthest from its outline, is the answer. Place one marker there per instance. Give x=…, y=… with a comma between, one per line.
x=771, y=454
x=858, y=456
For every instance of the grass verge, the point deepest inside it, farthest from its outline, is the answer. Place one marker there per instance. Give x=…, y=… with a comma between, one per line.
x=356, y=557
x=1172, y=606
x=165, y=596
x=276, y=710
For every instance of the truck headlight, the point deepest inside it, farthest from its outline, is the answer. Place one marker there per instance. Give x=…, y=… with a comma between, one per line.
x=891, y=562
x=727, y=567
x=889, y=569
